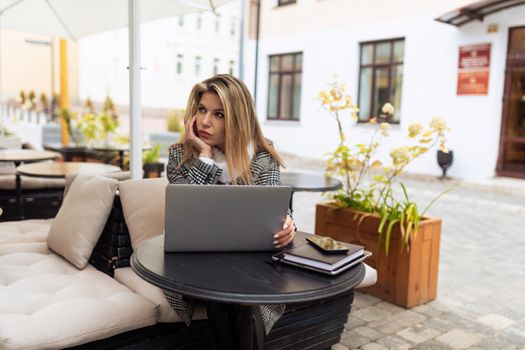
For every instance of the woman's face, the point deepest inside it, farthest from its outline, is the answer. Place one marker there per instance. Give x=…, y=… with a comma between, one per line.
x=210, y=121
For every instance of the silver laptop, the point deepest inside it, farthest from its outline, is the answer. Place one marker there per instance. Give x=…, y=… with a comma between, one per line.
x=214, y=218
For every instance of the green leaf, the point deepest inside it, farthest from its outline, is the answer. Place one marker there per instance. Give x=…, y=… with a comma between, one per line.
x=388, y=234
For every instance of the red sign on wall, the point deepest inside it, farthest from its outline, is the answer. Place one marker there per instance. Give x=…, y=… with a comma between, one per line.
x=474, y=69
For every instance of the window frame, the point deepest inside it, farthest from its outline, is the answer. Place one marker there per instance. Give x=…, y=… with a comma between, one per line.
x=374, y=66
x=280, y=72
x=285, y=2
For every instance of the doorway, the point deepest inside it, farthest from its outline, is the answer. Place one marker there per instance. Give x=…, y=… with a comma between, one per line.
x=511, y=159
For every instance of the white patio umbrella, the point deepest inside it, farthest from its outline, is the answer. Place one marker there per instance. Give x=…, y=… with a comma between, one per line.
x=74, y=19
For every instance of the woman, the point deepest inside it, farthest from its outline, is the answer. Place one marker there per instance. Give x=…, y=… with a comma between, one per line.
x=224, y=144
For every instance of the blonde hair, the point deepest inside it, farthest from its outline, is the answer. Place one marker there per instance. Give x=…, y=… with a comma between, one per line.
x=242, y=127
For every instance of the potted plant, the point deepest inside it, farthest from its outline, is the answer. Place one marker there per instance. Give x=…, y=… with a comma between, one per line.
x=368, y=211
x=150, y=160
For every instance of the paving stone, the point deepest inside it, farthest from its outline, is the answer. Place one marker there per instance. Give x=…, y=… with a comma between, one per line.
x=418, y=334
x=339, y=347
x=386, y=326
x=353, y=340
x=439, y=324
x=362, y=300
x=373, y=346
x=433, y=345
x=370, y=333
x=495, y=321
x=513, y=336
x=394, y=309
x=371, y=313
x=493, y=343
x=394, y=342
x=407, y=318
x=354, y=322
x=428, y=310
x=458, y=339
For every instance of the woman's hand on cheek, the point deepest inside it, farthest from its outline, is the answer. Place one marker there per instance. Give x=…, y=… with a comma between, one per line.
x=286, y=235
x=204, y=149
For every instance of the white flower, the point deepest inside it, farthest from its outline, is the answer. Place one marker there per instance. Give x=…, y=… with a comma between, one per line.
x=385, y=129
x=388, y=108
x=439, y=125
x=414, y=129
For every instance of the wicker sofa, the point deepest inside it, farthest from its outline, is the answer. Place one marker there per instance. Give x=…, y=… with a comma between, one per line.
x=47, y=302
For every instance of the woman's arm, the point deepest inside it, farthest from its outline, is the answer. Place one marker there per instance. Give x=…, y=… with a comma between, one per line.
x=199, y=172
x=266, y=172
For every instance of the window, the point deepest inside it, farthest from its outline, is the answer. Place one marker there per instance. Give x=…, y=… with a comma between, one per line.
x=380, y=78
x=215, y=66
x=198, y=60
x=199, y=22
x=284, y=88
x=232, y=67
x=285, y=2
x=180, y=58
x=217, y=23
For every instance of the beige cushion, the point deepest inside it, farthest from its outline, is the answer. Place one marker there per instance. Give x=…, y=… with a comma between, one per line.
x=81, y=218
x=143, y=203
x=47, y=303
x=119, y=176
x=130, y=279
x=370, y=277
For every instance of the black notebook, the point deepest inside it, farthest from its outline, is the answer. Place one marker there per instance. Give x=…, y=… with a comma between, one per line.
x=310, y=257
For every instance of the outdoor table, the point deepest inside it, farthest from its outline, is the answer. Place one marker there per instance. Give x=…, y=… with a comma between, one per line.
x=68, y=152
x=19, y=156
x=59, y=170
x=120, y=149
x=242, y=278
x=308, y=182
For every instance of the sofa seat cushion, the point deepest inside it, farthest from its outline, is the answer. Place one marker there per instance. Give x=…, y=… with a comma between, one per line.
x=45, y=302
x=8, y=182
x=130, y=279
x=24, y=236
x=370, y=277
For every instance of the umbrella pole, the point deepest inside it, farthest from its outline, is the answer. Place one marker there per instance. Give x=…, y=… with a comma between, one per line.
x=135, y=136
x=2, y=120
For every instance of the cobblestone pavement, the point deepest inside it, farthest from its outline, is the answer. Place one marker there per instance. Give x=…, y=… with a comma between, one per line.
x=481, y=288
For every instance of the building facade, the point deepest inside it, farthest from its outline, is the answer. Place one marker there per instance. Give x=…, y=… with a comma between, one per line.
x=176, y=53
x=471, y=75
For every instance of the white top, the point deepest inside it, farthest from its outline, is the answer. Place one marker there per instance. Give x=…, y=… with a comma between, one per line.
x=219, y=159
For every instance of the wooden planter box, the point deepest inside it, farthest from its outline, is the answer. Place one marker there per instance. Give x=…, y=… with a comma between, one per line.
x=405, y=278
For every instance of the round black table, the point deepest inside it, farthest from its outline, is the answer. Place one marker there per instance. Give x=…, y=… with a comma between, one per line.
x=120, y=149
x=308, y=182
x=246, y=279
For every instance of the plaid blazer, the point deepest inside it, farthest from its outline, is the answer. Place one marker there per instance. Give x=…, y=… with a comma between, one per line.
x=264, y=169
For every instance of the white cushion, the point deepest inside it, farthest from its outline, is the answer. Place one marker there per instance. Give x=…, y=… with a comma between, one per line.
x=129, y=278
x=45, y=302
x=370, y=277
x=24, y=236
x=143, y=204
x=81, y=218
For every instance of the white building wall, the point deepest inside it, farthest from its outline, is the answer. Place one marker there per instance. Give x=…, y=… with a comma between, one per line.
x=429, y=87
x=104, y=58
